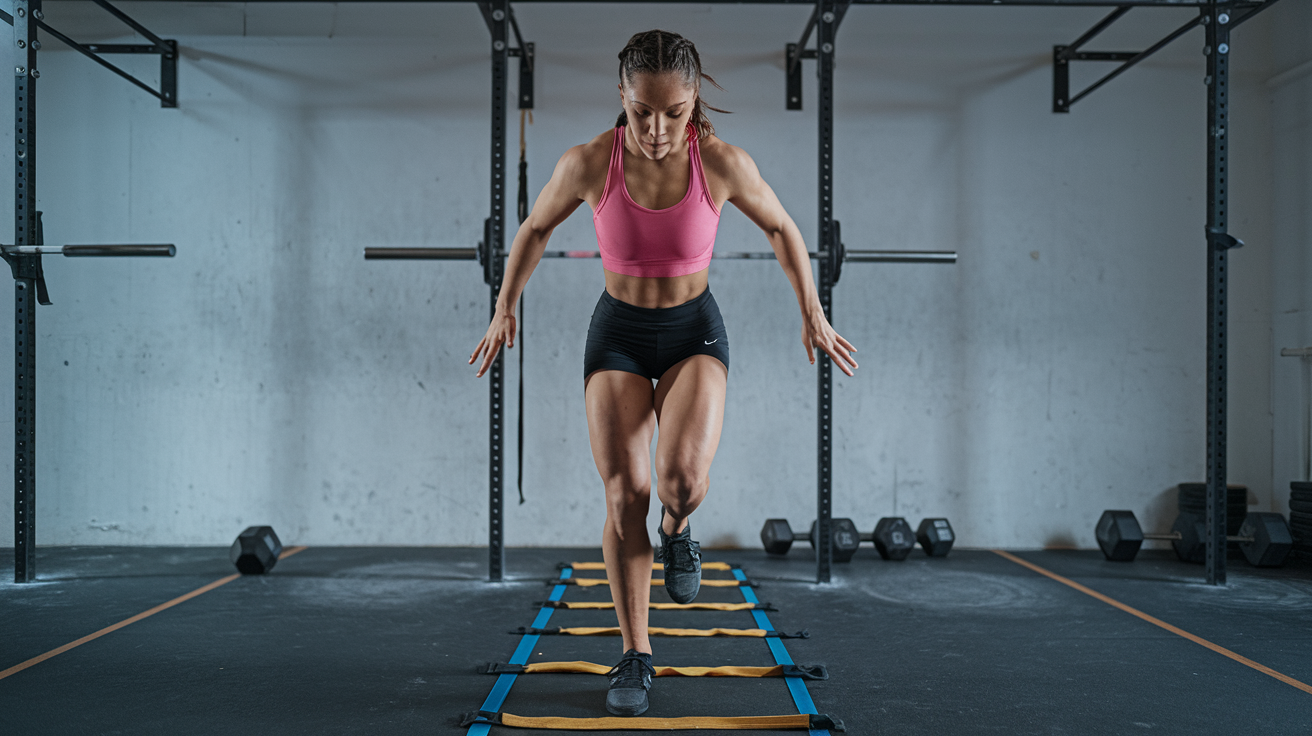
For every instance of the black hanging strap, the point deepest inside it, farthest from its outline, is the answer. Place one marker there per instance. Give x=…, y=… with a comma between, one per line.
x=523, y=215
x=42, y=294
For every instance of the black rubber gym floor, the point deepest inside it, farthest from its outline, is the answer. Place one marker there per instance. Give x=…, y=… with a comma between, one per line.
x=389, y=640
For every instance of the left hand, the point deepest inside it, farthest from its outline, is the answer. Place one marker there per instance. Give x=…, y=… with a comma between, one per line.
x=818, y=333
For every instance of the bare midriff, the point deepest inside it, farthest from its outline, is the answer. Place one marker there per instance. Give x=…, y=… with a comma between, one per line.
x=656, y=292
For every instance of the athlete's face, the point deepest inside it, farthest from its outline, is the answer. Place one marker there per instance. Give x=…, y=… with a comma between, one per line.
x=658, y=107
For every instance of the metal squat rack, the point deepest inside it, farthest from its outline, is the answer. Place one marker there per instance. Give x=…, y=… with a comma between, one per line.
x=24, y=256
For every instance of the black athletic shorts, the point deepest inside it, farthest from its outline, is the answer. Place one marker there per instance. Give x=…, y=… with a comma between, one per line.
x=649, y=342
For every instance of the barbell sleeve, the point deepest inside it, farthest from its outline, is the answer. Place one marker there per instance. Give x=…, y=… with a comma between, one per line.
x=421, y=254
x=901, y=256
x=167, y=250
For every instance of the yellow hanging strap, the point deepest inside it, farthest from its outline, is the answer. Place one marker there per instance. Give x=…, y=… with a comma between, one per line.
x=654, y=566
x=801, y=721
x=607, y=605
x=809, y=672
x=592, y=582
x=658, y=631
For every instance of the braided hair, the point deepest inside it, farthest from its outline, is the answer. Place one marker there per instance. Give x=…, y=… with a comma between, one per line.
x=653, y=52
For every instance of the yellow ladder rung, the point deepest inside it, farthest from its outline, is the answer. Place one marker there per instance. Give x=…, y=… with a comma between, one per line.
x=591, y=582
x=654, y=566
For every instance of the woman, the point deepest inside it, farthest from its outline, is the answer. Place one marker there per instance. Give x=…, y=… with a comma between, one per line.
x=656, y=183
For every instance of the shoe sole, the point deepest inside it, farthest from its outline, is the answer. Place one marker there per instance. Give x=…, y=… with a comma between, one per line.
x=626, y=713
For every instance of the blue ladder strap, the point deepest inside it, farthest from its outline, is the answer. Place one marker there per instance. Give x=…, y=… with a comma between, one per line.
x=504, y=682
x=796, y=686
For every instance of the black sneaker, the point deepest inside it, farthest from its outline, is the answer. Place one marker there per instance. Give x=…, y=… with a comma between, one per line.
x=629, y=682
x=682, y=558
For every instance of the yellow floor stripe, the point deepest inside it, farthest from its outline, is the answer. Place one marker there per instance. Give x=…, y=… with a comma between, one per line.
x=125, y=622
x=1158, y=622
x=654, y=566
x=590, y=582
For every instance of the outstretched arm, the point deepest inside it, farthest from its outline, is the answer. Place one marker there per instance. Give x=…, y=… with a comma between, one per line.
x=754, y=198
x=558, y=199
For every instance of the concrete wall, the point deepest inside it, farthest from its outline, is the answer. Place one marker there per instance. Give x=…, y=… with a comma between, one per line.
x=268, y=374
x=1290, y=87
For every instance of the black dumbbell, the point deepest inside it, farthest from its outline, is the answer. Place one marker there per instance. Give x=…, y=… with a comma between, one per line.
x=256, y=550
x=894, y=541
x=1264, y=537
x=935, y=537
x=893, y=538
x=777, y=536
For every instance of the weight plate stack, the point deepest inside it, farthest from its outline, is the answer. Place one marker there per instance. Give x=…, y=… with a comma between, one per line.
x=1300, y=518
x=1192, y=499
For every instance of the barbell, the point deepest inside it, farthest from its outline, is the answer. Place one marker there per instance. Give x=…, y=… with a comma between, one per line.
x=841, y=255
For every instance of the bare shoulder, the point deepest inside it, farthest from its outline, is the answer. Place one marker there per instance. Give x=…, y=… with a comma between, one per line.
x=582, y=169
x=587, y=159
x=725, y=161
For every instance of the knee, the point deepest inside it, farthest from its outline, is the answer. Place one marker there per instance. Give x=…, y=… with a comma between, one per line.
x=628, y=496
x=682, y=491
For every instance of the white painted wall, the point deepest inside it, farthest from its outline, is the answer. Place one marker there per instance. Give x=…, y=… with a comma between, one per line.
x=268, y=374
x=1290, y=87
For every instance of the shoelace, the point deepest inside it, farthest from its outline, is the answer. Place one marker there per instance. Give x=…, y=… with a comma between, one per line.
x=680, y=554
x=626, y=675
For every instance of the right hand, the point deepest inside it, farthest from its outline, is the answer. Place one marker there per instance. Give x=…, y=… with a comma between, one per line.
x=501, y=331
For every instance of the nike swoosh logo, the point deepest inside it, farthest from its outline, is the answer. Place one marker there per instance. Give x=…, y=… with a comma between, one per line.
x=711, y=342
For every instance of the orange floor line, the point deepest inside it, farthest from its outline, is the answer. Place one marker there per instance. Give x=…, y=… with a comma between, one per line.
x=1241, y=659
x=128, y=621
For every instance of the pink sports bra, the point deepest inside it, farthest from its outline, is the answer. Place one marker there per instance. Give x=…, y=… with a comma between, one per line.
x=636, y=241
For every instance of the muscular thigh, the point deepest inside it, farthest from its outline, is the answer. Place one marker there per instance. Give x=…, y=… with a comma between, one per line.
x=621, y=420
x=689, y=406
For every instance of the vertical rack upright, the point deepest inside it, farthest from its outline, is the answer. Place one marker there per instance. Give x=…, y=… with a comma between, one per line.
x=826, y=29
x=1217, y=27
x=499, y=21
x=27, y=272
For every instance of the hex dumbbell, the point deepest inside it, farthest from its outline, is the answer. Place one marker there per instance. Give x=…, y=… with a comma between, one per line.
x=256, y=550
x=777, y=536
x=894, y=540
x=1264, y=537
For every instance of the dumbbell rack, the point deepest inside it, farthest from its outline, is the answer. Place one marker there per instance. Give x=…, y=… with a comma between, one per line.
x=892, y=537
